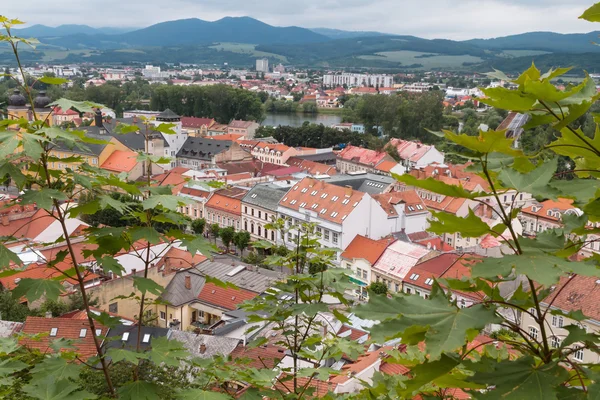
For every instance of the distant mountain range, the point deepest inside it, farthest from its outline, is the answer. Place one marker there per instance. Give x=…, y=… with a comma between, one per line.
x=39, y=31
x=340, y=34
x=238, y=41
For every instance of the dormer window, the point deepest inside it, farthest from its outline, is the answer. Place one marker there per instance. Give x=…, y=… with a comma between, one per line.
x=53, y=332
x=82, y=333
x=414, y=277
x=146, y=338
x=334, y=198
x=125, y=336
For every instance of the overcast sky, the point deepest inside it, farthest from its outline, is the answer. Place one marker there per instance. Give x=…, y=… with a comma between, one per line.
x=453, y=19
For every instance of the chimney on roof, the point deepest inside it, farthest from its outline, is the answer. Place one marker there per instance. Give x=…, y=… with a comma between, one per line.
x=348, y=190
x=202, y=348
x=98, y=119
x=5, y=220
x=48, y=314
x=133, y=271
x=188, y=282
x=135, y=120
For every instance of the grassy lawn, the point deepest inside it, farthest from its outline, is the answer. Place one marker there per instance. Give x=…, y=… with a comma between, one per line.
x=50, y=55
x=244, y=48
x=433, y=60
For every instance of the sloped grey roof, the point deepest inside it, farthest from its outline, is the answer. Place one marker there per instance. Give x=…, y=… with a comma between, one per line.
x=91, y=149
x=131, y=342
x=215, y=345
x=255, y=281
x=366, y=183
x=167, y=114
x=133, y=140
x=266, y=195
x=202, y=149
x=177, y=294
x=325, y=158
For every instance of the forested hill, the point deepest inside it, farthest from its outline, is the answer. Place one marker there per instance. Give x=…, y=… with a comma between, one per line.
x=544, y=41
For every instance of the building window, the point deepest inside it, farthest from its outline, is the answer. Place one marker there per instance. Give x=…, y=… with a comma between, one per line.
x=462, y=303
x=163, y=315
x=272, y=235
x=335, y=238
x=554, y=342
x=259, y=230
x=252, y=211
x=397, y=287
x=364, y=274
x=578, y=355
x=245, y=210
x=533, y=332
x=259, y=214
x=557, y=321
x=113, y=308
x=408, y=290
x=326, y=235
x=358, y=272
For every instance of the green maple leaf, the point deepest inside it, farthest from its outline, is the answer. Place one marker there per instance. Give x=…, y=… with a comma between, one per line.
x=50, y=80
x=470, y=226
x=139, y=390
x=507, y=99
x=521, y=379
x=117, y=355
x=145, y=285
x=534, y=182
x=9, y=141
x=167, y=351
x=579, y=335
x=200, y=245
x=52, y=389
x=446, y=325
x=107, y=201
x=148, y=234
x=437, y=186
x=199, y=394
x=7, y=256
x=545, y=269
x=9, y=366
x=110, y=264
x=57, y=367
x=32, y=145
x=581, y=190
x=167, y=201
x=43, y=197
x=486, y=143
x=81, y=106
x=592, y=14
x=33, y=289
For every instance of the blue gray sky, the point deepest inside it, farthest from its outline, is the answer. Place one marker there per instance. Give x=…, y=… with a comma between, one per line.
x=453, y=19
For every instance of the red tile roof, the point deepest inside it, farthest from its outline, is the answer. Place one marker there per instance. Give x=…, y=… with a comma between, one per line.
x=554, y=206
x=284, y=171
x=120, y=161
x=363, y=156
x=229, y=200
x=67, y=329
x=412, y=151
x=238, y=124
x=581, y=293
x=320, y=388
x=362, y=247
x=193, y=122
x=42, y=271
x=225, y=298
x=355, y=334
x=338, y=202
x=413, y=202
x=233, y=137
x=386, y=165
x=267, y=356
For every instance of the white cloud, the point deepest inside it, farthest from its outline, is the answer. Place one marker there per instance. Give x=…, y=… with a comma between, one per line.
x=453, y=19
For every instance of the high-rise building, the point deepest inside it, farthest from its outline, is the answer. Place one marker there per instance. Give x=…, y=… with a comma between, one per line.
x=262, y=65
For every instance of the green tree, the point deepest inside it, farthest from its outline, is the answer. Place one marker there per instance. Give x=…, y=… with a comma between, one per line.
x=227, y=235
x=378, y=288
x=11, y=309
x=215, y=231
x=198, y=226
x=241, y=240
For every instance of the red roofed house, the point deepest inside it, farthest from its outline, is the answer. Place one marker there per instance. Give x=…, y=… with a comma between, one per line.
x=196, y=126
x=213, y=300
x=224, y=207
x=339, y=212
x=359, y=256
x=546, y=215
x=60, y=116
x=273, y=153
x=50, y=329
x=416, y=154
x=246, y=128
x=571, y=294
x=353, y=159
x=122, y=161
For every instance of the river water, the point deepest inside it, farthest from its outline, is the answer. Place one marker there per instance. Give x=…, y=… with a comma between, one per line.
x=276, y=119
